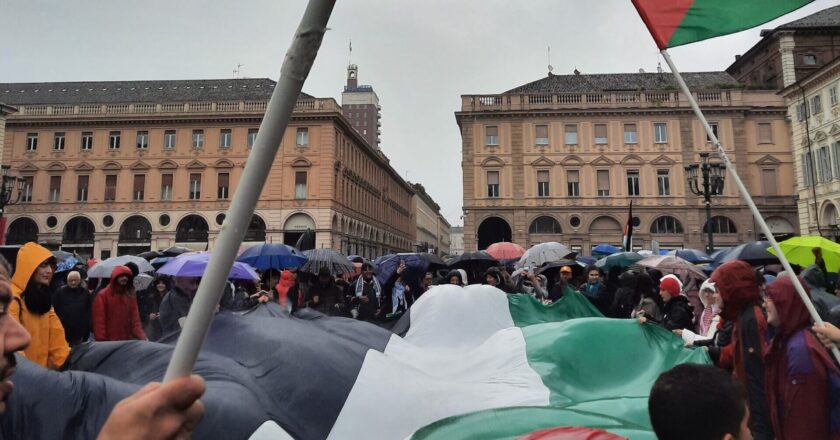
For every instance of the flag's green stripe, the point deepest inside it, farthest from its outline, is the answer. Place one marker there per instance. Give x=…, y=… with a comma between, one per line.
x=711, y=18
x=525, y=310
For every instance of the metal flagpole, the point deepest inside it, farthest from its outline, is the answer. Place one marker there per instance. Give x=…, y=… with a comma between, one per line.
x=746, y=196
x=293, y=73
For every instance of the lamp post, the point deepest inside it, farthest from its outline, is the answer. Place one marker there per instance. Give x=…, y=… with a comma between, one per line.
x=706, y=180
x=8, y=185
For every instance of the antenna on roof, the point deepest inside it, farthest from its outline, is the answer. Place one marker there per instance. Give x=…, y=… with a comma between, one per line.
x=550, y=67
x=237, y=71
x=350, y=57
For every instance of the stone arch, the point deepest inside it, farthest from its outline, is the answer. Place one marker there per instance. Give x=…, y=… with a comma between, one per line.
x=256, y=229
x=666, y=224
x=493, y=230
x=78, y=236
x=192, y=228
x=721, y=224
x=295, y=226
x=545, y=224
x=135, y=235
x=828, y=214
x=605, y=224
x=22, y=230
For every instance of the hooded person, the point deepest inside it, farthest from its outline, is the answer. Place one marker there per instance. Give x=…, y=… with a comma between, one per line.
x=802, y=381
x=823, y=301
x=739, y=301
x=327, y=297
x=115, y=313
x=455, y=277
x=31, y=306
x=677, y=313
x=709, y=318
x=650, y=305
x=626, y=296
x=72, y=303
x=287, y=290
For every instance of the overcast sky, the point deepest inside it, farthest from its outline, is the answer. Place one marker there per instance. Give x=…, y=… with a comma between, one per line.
x=420, y=56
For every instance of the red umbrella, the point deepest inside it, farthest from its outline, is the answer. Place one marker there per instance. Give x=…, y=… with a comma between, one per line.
x=505, y=251
x=570, y=433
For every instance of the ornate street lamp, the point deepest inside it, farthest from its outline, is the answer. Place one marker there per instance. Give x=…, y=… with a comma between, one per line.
x=706, y=180
x=8, y=185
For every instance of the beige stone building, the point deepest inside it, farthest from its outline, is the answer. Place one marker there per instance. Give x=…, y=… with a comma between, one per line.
x=457, y=240
x=5, y=111
x=814, y=110
x=127, y=166
x=432, y=228
x=561, y=158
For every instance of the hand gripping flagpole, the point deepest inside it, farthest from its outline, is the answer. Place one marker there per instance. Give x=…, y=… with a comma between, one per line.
x=293, y=73
x=746, y=196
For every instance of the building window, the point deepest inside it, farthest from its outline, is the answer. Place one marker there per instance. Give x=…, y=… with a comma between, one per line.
x=139, y=190
x=809, y=60
x=169, y=139
x=720, y=225
x=571, y=135
x=768, y=178
x=542, y=134
x=631, y=136
x=666, y=225
x=801, y=112
x=633, y=183
x=816, y=104
x=302, y=138
x=660, y=133
x=603, y=177
x=765, y=133
x=82, y=188
x=835, y=150
x=55, y=188
x=545, y=225
x=824, y=164
x=225, y=138
x=542, y=183
x=58, y=142
x=110, y=187
x=142, y=140
x=492, y=184
x=714, y=127
x=832, y=96
x=31, y=141
x=114, y=140
x=195, y=186
x=601, y=134
x=300, y=185
x=573, y=183
x=491, y=135
x=663, y=182
x=87, y=141
x=166, y=187
x=807, y=169
x=26, y=192
x=252, y=137
x=198, y=139
x=223, y=191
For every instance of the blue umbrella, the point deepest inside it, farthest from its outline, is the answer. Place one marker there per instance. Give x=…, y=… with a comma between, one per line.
x=586, y=259
x=67, y=264
x=194, y=264
x=754, y=253
x=159, y=261
x=694, y=256
x=606, y=249
x=416, y=265
x=272, y=256
x=719, y=255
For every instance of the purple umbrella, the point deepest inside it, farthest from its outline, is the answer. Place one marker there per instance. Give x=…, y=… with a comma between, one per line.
x=193, y=264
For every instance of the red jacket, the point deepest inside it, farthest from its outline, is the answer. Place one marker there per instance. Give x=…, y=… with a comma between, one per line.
x=115, y=314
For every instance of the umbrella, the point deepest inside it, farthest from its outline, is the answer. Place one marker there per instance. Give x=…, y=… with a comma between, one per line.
x=194, y=264
x=160, y=261
x=272, y=256
x=585, y=259
x=334, y=261
x=62, y=255
x=67, y=264
x=545, y=253
x=505, y=251
x=306, y=241
x=550, y=269
x=356, y=258
x=417, y=264
x=104, y=268
x=143, y=281
x=150, y=255
x=474, y=263
x=754, y=253
x=671, y=264
x=174, y=251
x=620, y=259
x=798, y=251
x=606, y=249
x=694, y=256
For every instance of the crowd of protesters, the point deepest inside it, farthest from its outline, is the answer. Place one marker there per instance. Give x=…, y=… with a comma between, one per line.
x=752, y=323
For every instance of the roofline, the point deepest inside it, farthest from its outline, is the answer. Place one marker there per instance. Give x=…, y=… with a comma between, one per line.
x=811, y=76
x=7, y=109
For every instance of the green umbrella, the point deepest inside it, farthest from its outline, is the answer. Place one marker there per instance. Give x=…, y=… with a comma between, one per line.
x=621, y=259
x=799, y=251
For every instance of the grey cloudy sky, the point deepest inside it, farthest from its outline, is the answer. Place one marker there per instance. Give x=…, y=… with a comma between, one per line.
x=420, y=56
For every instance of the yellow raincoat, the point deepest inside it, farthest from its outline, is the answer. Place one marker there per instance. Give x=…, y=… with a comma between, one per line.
x=48, y=348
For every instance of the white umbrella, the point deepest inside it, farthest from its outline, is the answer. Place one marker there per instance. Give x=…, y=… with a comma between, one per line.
x=543, y=253
x=143, y=281
x=103, y=269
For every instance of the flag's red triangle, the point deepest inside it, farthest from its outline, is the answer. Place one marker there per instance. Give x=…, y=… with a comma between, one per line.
x=662, y=17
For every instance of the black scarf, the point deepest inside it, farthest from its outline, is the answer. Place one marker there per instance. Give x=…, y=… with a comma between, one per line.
x=37, y=298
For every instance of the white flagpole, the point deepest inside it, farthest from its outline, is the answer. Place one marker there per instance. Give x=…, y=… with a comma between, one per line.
x=746, y=196
x=293, y=73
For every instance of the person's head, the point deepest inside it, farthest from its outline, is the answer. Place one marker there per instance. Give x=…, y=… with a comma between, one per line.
x=669, y=287
x=593, y=274
x=324, y=274
x=698, y=402
x=785, y=309
x=492, y=277
x=187, y=285
x=707, y=294
x=737, y=287
x=13, y=336
x=161, y=285
x=428, y=277
x=74, y=278
x=35, y=267
x=367, y=271
x=565, y=274
x=133, y=268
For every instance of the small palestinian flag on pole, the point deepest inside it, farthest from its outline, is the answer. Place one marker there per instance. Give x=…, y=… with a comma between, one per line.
x=627, y=243
x=677, y=22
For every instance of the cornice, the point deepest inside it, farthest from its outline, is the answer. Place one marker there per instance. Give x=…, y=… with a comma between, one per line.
x=531, y=114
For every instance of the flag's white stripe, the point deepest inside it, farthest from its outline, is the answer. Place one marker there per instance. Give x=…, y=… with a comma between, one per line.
x=270, y=431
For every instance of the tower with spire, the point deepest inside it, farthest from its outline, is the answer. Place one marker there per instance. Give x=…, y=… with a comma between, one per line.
x=360, y=105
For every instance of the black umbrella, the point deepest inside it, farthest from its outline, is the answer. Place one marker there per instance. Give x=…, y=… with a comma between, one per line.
x=150, y=255
x=754, y=253
x=306, y=241
x=174, y=251
x=475, y=263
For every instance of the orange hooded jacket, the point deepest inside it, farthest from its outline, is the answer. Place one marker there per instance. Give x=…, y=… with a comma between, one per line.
x=48, y=348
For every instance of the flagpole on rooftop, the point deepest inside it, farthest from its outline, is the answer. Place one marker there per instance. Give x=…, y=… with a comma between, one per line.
x=293, y=73
x=746, y=195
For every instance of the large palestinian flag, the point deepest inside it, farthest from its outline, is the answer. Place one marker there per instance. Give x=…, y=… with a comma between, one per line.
x=677, y=22
x=472, y=363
